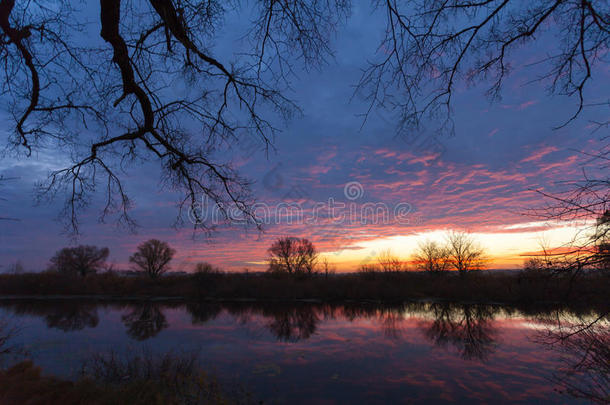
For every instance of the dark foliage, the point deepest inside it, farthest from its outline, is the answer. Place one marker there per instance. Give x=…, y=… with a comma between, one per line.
x=80, y=260
x=153, y=257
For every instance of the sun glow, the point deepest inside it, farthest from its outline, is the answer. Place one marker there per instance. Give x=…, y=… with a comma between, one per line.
x=507, y=248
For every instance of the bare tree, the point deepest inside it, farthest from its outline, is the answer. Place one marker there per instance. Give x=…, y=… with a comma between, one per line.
x=115, y=99
x=601, y=240
x=111, y=100
x=326, y=267
x=432, y=256
x=153, y=257
x=585, y=202
x=465, y=254
x=388, y=262
x=433, y=46
x=16, y=268
x=2, y=180
x=292, y=256
x=79, y=260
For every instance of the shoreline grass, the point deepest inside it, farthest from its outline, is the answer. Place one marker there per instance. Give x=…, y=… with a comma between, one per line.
x=476, y=287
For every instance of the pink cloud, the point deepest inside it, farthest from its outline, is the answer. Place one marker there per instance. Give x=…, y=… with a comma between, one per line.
x=493, y=132
x=527, y=104
x=539, y=154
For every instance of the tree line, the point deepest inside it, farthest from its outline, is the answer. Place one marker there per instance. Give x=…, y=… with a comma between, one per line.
x=151, y=257
x=459, y=251
x=287, y=255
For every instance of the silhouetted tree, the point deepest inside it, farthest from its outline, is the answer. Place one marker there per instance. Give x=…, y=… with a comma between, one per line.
x=601, y=240
x=79, y=260
x=388, y=262
x=433, y=46
x=432, y=256
x=292, y=256
x=586, y=202
x=326, y=268
x=107, y=97
x=153, y=257
x=464, y=252
x=144, y=321
x=205, y=276
x=118, y=94
x=546, y=260
x=16, y=268
x=2, y=180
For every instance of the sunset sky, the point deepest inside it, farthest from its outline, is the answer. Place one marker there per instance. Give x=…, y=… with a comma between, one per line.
x=481, y=179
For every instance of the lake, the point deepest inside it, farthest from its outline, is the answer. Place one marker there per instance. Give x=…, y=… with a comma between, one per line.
x=422, y=352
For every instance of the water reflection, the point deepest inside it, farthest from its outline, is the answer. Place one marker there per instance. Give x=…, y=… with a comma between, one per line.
x=292, y=324
x=468, y=328
x=584, y=347
x=203, y=312
x=288, y=323
x=144, y=321
x=63, y=315
x=388, y=345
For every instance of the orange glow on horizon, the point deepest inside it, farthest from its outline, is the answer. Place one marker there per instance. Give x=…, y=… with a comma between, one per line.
x=507, y=247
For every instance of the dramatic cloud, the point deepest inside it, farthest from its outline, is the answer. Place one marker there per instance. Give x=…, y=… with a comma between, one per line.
x=481, y=179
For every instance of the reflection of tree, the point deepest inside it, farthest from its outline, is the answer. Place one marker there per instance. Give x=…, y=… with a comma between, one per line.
x=391, y=321
x=292, y=324
x=389, y=316
x=585, y=357
x=468, y=328
x=203, y=312
x=66, y=316
x=144, y=321
x=75, y=318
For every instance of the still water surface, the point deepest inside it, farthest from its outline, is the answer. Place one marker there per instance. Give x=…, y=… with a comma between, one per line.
x=319, y=353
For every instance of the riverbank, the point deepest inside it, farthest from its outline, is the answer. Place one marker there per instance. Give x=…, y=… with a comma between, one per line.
x=476, y=287
x=113, y=380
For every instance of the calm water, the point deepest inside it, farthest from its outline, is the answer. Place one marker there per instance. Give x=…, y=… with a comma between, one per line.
x=314, y=353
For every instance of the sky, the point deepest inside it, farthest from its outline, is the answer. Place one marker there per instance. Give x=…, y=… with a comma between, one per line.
x=386, y=191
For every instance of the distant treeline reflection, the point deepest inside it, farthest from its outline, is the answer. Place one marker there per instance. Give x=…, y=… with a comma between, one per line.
x=580, y=336
x=467, y=328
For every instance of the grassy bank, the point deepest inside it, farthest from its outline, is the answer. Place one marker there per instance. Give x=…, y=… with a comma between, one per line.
x=108, y=380
x=477, y=286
